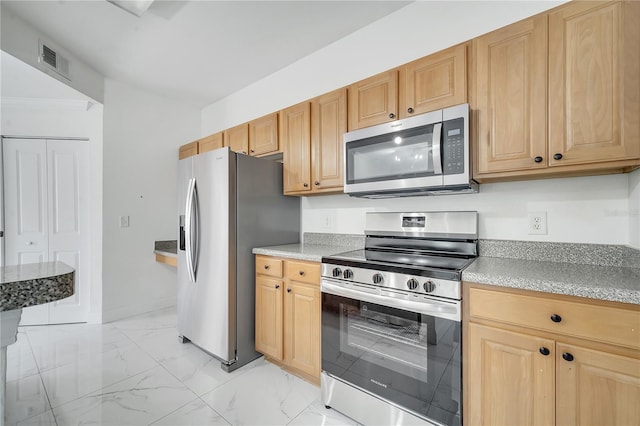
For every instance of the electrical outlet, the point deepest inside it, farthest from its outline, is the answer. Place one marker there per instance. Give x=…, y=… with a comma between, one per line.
x=124, y=221
x=326, y=222
x=537, y=223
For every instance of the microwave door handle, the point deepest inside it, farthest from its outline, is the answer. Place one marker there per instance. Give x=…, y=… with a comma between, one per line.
x=437, y=152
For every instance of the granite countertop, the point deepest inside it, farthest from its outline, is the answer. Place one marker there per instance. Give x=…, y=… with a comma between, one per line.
x=166, y=248
x=614, y=283
x=34, y=284
x=311, y=252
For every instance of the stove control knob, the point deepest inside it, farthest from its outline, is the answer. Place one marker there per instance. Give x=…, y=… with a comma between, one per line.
x=429, y=286
x=412, y=284
x=336, y=272
x=348, y=274
x=378, y=278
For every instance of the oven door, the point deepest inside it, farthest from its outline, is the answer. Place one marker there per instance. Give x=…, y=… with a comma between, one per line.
x=409, y=359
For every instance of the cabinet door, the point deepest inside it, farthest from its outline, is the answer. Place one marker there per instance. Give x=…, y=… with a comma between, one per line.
x=188, y=150
x=434, y=82
x=237, y=138
x=510, y=381
x=593, y=82
x=511, y=73
x=269, y=316
x=295, y=135
x=329, y=123
x=263, y=135
x=374, y=100
x=302, y=327
x=596, y=388
x=211, y=142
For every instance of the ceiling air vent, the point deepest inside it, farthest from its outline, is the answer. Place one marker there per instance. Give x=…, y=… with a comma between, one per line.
x=53, y=60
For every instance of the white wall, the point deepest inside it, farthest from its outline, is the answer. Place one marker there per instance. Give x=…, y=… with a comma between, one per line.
x=581, y=210
x=597, y=209
x=634, y=209
x=142, y=133
x=54, y=118
x=22, y=41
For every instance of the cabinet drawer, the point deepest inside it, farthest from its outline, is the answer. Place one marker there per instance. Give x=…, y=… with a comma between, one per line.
x=306, y=272
x=271, y=266
x=620, y=326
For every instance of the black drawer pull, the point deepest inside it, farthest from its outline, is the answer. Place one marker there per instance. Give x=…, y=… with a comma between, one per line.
x=556, y=318
x=544, y=351
x=567, y=356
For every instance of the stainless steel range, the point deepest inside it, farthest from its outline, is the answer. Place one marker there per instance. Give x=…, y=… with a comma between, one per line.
x=391, y=330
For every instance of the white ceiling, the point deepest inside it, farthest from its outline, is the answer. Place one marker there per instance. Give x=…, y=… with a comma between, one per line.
x=197, y=51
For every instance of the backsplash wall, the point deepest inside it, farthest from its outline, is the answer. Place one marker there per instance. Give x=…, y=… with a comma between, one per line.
x=594, y=209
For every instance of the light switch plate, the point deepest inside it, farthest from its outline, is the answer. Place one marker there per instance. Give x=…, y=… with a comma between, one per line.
x=124, y=221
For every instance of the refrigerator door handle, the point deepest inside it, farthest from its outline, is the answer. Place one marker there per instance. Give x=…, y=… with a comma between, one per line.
x=195, y=255
x=188, y=229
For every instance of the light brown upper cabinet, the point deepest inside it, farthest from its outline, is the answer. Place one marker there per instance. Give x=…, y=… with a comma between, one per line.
x=211, y=142
x=263, y=135
x=328, y=125
x=237, y=138
x=434, y=82
x=312, y=134
x=373, y=100
x=594, y=82
x=511, y=81
x=557, y=94
x=187, y=150
x=295, y=136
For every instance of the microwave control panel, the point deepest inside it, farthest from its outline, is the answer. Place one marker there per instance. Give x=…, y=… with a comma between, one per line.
x=453, y=147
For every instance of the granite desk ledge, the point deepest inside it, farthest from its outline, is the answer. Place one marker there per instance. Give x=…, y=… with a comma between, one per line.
x=310, y=252
x=617, y=284
x=34, y=284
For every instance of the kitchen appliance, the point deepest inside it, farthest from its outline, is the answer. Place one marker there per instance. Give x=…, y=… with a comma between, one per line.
x=426, y=154
x=391, y=330
x=229, y=203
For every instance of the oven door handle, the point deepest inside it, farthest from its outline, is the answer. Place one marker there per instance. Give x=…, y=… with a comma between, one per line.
x=427, y=306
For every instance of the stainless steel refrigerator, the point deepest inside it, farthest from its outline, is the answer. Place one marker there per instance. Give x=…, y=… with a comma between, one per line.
x=229, y=203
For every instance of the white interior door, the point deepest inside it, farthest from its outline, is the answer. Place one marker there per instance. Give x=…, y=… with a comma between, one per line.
x=46, y=193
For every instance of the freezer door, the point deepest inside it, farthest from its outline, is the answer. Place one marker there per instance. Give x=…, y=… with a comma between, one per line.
x=185, y=287
x=212, y=316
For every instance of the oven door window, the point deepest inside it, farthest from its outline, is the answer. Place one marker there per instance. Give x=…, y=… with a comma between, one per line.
x=410, y=359
x=404, y=154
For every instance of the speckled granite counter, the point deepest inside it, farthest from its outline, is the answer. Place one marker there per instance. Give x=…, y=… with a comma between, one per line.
x=34, y=284
x=166, y=248
x=618, y=284
x=311, y=252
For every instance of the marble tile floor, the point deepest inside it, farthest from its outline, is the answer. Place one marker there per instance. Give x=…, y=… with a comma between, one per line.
x=135, y=372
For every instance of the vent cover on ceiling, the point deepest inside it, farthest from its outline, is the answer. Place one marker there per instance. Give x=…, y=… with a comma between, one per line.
x=52, y=59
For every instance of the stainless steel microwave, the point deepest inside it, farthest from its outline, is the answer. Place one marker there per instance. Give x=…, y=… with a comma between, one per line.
x=423, y=155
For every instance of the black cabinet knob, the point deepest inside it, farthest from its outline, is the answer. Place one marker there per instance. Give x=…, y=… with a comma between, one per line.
x=556, y=318
x=288, y=290
x=306, y=185
x=410, y=110
x=252, y=150
x=267, y=266
x=538, y=159
x=557, y=156
x=316, y=183
x=567, y=356
x=277, y=285
x=544, y=351
x=392, y=115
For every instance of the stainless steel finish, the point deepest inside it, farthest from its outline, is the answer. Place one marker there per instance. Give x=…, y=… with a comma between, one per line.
x=241, y=205
x=363, y=406
x=465, y=178
x=437, y=154
x=439, y=184
x=393, y=280
x=407, y=300
x=461, y=225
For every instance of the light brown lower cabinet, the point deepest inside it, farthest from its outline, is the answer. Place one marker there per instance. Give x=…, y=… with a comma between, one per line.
x=541, y=366
x=288, y=314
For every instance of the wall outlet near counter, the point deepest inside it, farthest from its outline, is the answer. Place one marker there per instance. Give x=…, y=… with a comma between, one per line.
x=124, y=221
x=537, y=223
